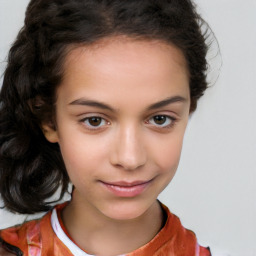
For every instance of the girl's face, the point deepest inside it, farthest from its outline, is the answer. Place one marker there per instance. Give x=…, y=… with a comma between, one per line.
x=121, y=113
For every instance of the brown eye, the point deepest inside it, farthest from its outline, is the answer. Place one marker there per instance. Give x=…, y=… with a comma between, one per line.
x=94, y=121
x=160, y=120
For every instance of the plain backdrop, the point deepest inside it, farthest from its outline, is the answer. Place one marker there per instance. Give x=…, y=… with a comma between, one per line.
x=214, y=191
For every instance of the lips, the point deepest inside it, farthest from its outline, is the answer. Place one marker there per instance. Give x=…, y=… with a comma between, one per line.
x=127, y=189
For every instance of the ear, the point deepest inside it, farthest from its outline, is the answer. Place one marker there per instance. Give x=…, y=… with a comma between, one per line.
x=50, y=133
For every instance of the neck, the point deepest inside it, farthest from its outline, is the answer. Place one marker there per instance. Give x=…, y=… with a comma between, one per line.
x=98, y=234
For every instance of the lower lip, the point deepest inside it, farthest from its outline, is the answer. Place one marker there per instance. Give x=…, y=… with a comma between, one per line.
x=126, y=191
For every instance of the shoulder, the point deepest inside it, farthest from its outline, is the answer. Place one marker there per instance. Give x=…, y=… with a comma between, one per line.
x=181, y=238
x=17, y=239
x=34, y=237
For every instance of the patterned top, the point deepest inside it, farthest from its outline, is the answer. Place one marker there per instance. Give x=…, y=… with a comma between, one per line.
x=46, y=237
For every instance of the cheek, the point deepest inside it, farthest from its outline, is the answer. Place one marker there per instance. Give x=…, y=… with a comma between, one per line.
x=79, y=167
x=81, y=154
x=168, y=154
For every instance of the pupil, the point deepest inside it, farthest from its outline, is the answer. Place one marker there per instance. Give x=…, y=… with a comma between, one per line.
x=95, y=121
x=159, y=119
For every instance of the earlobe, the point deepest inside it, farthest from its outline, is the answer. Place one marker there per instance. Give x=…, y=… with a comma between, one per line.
x=50, y=133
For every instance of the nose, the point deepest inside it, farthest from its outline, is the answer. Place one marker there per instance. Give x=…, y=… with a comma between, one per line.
x=128, y=150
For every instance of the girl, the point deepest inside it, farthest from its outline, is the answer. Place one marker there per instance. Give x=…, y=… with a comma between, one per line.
x=98, y=93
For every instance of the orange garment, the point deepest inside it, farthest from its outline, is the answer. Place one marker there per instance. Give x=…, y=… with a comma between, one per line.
x=37, y=238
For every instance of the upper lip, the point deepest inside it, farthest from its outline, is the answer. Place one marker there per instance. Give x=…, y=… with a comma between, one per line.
x=127, y=184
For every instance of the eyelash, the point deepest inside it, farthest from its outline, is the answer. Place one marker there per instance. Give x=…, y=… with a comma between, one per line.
x=91, y=127
x=171, y=122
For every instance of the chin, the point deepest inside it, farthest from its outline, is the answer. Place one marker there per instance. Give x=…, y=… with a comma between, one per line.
x=126, y=211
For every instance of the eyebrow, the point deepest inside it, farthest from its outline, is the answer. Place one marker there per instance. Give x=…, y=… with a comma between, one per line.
x=97, y=104
x=91, y=103
x=166, y=102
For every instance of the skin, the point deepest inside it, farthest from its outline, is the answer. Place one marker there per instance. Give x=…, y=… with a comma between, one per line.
x=136, y=136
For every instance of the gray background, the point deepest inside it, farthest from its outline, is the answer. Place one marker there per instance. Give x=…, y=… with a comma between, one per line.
x=214, y=191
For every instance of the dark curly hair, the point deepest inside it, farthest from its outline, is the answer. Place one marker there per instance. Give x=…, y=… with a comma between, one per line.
x=31, y=168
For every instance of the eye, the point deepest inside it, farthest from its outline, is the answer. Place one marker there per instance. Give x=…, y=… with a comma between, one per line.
x=94, y=122
x=161, y=121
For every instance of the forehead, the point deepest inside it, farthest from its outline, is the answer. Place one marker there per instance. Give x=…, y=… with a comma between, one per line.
x=125, y=49
x=125, y=66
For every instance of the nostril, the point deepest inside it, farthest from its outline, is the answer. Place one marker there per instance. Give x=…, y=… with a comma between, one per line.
x=129, y=162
